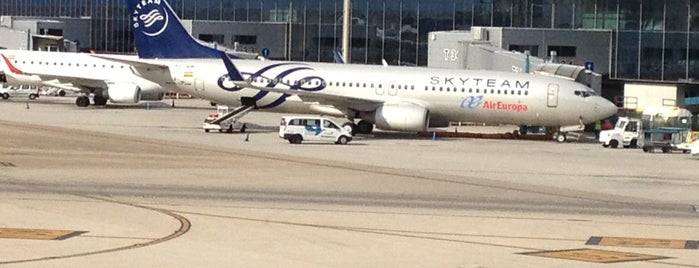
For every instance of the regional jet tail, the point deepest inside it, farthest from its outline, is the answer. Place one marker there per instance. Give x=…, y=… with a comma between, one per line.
x=390, y=98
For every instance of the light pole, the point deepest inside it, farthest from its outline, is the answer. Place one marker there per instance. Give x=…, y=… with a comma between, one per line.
x=346, y=18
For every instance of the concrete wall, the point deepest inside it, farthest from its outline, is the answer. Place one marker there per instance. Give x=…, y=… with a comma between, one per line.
x=642, y=96
x=271, y=36
x=591, y=45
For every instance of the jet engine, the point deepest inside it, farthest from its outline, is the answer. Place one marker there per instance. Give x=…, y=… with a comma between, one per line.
x=403, y=116
x=124, y=93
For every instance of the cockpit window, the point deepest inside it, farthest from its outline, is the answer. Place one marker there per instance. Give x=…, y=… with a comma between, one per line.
x=585, y=93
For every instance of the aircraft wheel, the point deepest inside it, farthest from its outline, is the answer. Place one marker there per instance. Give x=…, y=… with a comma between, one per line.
x=100, y=100
x=365, y=127
x=82, y=101
x=561, y=137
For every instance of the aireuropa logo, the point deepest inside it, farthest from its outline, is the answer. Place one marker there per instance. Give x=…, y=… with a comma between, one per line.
x=150, y=17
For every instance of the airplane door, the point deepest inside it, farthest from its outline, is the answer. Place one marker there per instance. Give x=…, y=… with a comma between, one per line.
x=381, y=89
x=198, y=85
x=553, y=96
x=393, y=90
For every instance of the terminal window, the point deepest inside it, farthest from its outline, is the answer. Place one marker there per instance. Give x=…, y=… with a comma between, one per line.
x=211, y=38
x=563, y=51
x=533, y=50
x=245, y=39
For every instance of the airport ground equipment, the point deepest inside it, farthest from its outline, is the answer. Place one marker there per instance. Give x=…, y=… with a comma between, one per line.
x=226, y=120
x=32, y=92
x=297, y=129
x=627, y=132
x=667, y=139
x=4, y=92
x=694, y=148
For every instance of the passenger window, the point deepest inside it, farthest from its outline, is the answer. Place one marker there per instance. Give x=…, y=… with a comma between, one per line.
x=312, y=123
x=328, y=124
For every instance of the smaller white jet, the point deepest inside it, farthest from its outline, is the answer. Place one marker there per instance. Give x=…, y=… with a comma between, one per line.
x=79, y=72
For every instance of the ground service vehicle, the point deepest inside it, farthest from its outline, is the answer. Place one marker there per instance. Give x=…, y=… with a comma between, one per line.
x=225, y=120
x=694, y=149
x=627, y=132
x=296, y=129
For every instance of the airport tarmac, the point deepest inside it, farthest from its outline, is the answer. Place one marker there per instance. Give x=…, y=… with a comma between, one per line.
x=145, y=186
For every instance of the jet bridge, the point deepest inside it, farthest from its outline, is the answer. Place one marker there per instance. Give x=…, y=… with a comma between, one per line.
x=474, y=51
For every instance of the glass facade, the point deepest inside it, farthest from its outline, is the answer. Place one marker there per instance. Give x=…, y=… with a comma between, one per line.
x=653, y=39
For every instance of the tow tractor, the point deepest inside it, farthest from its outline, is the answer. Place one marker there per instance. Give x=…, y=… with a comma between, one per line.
x=627, y=132
x=226, y=120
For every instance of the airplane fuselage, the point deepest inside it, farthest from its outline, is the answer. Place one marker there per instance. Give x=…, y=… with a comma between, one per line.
x=449, y=95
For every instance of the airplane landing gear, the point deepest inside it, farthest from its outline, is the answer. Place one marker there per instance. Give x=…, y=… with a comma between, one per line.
x=100, y=100
x=82, y=101
x=363, y=127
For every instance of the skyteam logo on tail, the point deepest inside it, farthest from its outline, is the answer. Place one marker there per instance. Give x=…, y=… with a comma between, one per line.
x=150, y=17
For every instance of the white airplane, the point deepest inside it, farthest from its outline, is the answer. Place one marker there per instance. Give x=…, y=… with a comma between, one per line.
x=79, y=72
x=389, y=97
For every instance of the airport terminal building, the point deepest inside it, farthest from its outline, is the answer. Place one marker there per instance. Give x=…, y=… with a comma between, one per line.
x=643, y=41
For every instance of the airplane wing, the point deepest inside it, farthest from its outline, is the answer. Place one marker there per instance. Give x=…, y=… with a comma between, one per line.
x=155, y=72
x=340, y=102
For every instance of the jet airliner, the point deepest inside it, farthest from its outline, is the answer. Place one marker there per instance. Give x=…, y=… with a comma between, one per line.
x=79, y=72
x=388, y=97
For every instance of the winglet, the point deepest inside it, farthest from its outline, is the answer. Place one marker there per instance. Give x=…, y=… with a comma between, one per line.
x=233, y=72
x=12, y=68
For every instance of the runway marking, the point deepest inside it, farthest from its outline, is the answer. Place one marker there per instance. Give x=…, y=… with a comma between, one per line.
x=642, y=242
x=38, y=234
x=595, y=255
x=7, y=164
x=184, y=227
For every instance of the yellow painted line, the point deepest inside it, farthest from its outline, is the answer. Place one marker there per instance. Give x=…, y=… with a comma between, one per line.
x=595, y=255
x=37, y=234
x=188, y=74
x=642, y=242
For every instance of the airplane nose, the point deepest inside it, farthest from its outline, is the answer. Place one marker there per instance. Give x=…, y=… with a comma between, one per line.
x=606, y=108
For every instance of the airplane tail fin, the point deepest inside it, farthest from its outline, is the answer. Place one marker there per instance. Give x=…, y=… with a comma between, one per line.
x=159, y=33
x=337, y=56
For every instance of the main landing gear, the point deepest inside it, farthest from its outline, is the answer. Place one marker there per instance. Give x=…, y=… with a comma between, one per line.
x=84, y=101
x=363, y=127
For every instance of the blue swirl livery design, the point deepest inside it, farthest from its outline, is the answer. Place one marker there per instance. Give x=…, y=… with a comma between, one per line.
x=150, y=18
x=277, y=75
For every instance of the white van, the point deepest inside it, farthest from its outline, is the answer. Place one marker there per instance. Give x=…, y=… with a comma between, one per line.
x=296, y=129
